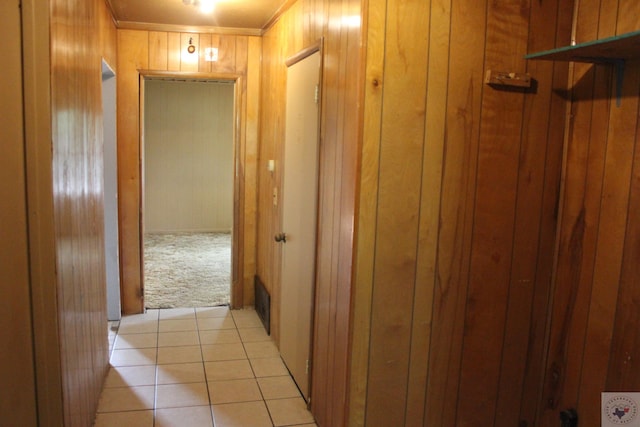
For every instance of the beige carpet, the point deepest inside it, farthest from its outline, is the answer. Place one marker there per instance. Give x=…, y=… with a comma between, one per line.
x=187, y=270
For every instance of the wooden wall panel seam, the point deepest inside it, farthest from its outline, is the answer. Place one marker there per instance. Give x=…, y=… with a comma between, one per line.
x=77, y=201
x=608, y=255
x=366, y=222
x=622, y=377
x=532, y=393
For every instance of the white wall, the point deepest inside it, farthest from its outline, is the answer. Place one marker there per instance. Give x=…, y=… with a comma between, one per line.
x=188, y=156
x=110, y=192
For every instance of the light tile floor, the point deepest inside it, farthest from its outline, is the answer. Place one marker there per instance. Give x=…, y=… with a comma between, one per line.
x=197, y=367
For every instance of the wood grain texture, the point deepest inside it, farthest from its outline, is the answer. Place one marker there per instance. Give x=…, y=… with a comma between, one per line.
x=552, y=85
x=158, y=50
x=254, y=50
x=138, y=49
x=401, y=147
x=133, y=48
x=18, y=402
x=42, y=256
x=456, y=211
x=205, y=43
x=614, y=211
x=367, y=218
x=499, y=162
x=77, y=159
x=469, y=305
x=622, y=373
x=299, y=27
x=538, y=172
x=591, y=274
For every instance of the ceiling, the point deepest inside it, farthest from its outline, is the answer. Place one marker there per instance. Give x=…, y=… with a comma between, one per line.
x=232, y=14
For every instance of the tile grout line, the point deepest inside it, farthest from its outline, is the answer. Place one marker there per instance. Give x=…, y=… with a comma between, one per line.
x=235, y=318
x=204, y=370
x=155, y=371
x=255, y=377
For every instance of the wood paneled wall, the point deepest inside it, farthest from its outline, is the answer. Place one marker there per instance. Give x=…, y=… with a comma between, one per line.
x=593, y=345
x=188, y=160
x=157, y=51
x=17, y=375
x=457, y=213
x=81, y=33
x=302, y=25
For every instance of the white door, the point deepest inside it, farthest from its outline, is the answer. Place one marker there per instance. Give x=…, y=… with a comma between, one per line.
x=299, y=220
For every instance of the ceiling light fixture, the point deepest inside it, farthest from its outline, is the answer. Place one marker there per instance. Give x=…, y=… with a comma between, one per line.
x=205, y=6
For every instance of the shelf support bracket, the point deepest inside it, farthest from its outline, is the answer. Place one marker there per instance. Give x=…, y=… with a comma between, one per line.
x=619, y=66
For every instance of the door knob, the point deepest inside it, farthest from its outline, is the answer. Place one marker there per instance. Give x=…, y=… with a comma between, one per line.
x=280, y=237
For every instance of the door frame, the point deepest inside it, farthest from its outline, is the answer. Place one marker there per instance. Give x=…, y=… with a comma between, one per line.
x=292, y=60
x=237, y=233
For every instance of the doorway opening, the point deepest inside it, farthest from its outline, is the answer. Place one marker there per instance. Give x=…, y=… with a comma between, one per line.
x=188, y=186
x=110, y=156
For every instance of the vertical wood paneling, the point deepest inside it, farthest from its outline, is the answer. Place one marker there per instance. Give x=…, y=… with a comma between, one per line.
x=267, y=181
x=458, y=176
x=492, y=248
x=77, y=200
x=628, y=16
x=352, y=69
x=401, y=146
x=133, y=47
x=174, y=53
x=491, y=198
x=158, y=50
x=594, y=235
x=527, y=226
x=42, y=257
x=339, y=144
x=575, y=243
x=226, y=55
x=329, y=217
x=607, y=17
x=189, y=61
x=430, y=203
x=609, y=251
x=544, y=117
x=367, y=219
x=623, y=373
x=18, y=404
x=253, y=67
x=484, y=221
x=204, y=66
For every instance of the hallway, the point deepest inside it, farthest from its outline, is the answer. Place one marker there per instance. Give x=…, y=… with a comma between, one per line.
x=194, y=367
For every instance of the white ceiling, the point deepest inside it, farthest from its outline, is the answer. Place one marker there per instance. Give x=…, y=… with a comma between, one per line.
x=236, y=14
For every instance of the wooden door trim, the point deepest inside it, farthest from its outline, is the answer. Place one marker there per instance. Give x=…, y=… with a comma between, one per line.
x=307, y=51
x=237, y=234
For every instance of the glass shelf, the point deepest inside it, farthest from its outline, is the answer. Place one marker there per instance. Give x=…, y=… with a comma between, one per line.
x=609, y=50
